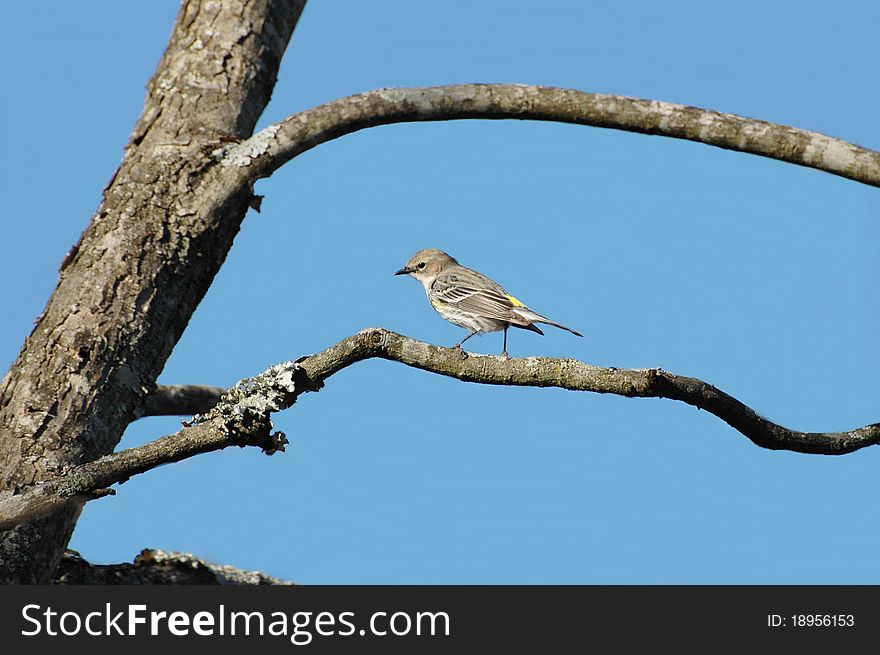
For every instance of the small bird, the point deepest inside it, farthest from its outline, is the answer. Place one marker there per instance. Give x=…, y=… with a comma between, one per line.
x=469, y=299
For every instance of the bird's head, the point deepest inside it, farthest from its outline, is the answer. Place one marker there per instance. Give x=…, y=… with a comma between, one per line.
x=426, y=264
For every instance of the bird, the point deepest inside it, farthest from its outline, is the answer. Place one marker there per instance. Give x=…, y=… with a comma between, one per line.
x=469, y=299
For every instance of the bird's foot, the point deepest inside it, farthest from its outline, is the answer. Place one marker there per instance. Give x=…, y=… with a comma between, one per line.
x=504, y=355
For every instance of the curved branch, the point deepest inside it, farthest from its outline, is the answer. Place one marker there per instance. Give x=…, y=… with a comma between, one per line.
x=241, y=418
x=263, y=153
x=574, y=375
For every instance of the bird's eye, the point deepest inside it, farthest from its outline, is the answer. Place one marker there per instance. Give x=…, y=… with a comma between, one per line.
x=420, y=265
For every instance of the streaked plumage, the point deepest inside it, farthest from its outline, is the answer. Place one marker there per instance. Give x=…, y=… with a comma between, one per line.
x=469, y=299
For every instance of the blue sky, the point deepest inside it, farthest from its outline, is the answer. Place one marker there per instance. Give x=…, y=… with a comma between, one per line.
x=754, y=275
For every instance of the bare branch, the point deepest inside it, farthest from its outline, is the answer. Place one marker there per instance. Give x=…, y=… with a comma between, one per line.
x=242, y=418
x=182, y=400
x=263, y=153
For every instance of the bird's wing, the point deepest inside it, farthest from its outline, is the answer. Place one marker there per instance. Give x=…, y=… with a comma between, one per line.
x=486, y=299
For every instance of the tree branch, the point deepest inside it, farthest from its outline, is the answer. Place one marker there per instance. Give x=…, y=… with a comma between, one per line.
x=263, y=153
x=242, y=417
x=182, y=400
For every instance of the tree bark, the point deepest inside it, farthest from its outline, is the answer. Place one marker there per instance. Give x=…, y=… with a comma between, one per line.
x=128, y=288
x=182, y=399
x=152, y=567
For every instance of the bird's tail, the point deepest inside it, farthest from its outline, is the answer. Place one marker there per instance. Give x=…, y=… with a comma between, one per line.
x=535, y=317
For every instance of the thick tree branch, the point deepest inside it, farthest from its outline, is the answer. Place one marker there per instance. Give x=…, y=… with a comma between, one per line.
x=272, y=147
x=242, y=417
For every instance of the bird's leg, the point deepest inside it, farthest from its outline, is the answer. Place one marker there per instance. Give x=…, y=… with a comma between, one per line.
x=470, y=334
x=504, y=350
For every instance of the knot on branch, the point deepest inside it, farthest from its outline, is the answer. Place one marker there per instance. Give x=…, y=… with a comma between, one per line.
x=372, y=339
x=376, y=337
x=655, y=379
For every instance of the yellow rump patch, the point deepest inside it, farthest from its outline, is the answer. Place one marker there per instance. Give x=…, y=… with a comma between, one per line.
x=516, y=303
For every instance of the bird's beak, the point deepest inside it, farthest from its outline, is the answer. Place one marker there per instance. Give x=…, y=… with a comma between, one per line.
x=403, y=271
